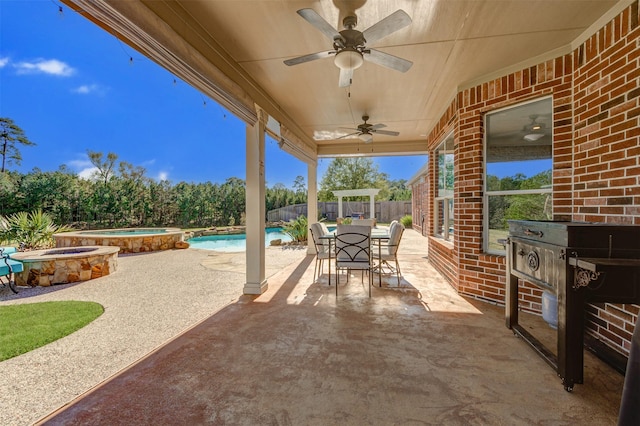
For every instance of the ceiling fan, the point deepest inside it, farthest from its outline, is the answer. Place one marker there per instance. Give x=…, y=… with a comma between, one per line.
x=534, y=130
x=365, y=131
x=350, y=45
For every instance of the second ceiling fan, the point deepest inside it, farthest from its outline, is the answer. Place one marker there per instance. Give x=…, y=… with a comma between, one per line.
x=350, y=45
x=365, y=130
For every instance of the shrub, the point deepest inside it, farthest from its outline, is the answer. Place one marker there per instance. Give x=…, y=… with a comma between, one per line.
x=30, y=230
x=297, y=229
x=407, y=221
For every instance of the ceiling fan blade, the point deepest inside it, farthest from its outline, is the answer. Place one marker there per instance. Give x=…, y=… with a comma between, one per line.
x=385, y=132
x=392, y=23
x=346, y=136
x=345, y=78
x=387, y=60
x=378, y=126
x=312, y=17
x=308, y=58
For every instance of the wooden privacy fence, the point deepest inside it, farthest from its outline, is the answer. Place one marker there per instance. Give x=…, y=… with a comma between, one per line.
x=386, y=211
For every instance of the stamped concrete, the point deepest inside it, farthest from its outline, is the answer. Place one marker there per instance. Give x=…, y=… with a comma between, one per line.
x=418, y=354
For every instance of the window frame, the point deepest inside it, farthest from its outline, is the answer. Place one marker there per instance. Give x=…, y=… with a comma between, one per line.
x=447, y=200
x=487, y=194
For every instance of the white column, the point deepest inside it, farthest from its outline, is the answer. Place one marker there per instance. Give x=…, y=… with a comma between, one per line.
x=312, y=202
x=340, y=206
x=255, y=220
x=372, y=207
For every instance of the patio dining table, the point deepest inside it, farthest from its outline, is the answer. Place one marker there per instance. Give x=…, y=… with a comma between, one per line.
x=377, y=234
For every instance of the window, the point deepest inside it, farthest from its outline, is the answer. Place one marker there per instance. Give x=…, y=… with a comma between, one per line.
x=518, y=162
x=443, y=209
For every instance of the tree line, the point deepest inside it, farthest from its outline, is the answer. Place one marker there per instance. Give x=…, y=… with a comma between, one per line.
x=128, y=198
x=119, y=194
x=519, y=206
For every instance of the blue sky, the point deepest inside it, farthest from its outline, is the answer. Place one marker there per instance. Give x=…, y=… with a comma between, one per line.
x=71, y=86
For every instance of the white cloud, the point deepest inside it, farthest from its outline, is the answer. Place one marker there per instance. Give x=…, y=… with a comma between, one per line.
x=45, y=66
x=84, y=167
x=148, y=162
x=87, y=89
x=163, y=176
x=4, y=62
x=89, y=173
x=79, y=164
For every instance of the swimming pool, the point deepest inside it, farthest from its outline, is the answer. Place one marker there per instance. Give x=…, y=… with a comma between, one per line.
x=130, y=240
x=235, y=242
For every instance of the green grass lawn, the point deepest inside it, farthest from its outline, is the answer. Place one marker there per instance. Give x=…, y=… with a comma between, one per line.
x=24, y=328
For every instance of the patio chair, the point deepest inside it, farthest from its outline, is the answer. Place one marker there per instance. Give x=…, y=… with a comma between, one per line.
x=353, y=251
x=322, y=249
x=385, y=240
x=8, y=268
x=388, y=252
x=325, y=229
x=364, y=222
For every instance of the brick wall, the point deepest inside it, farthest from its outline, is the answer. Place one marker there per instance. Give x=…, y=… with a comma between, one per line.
x=420, y=204
x=478, y=274
x=606, y=147
x=596, y=160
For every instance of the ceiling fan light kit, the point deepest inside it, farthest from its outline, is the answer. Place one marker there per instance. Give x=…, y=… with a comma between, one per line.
x=532, y=137
x=348, y=59
x=534, y=130
x=366, y=137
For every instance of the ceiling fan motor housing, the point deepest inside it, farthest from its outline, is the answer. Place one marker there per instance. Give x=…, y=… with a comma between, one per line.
x=350, y=22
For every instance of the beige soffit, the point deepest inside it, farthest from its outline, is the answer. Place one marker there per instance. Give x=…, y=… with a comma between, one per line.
x=372, y=192
x=356, y=148
x=155, y=39
x=420, y=173
x=290, y=143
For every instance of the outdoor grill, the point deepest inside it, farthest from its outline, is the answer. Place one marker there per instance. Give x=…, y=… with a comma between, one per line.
x=580, y=263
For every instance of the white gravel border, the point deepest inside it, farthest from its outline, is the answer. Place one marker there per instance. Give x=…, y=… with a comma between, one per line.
x=150, y=299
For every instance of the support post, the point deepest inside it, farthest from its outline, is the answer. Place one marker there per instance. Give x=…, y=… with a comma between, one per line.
x=256, y=209
x=312, y=202
x=372, y=207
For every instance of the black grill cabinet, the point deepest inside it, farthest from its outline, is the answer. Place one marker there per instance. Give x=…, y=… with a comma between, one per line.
x=580, y=263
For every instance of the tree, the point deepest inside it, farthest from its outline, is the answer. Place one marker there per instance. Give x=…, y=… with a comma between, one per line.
x=352, y=173
x=105, y=167
x=10, y=135
x=300, y=188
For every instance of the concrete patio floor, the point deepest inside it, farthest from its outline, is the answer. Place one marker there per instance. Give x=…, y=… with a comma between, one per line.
x=419, y=354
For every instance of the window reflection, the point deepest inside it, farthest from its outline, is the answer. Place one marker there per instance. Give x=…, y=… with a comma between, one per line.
x=518, y=168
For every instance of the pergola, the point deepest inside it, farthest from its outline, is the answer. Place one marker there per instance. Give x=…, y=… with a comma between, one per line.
x=234, y=52
x=370, y=192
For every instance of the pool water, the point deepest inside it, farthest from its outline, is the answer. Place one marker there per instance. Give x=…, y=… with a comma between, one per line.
x=235, y=242
x=126, y=232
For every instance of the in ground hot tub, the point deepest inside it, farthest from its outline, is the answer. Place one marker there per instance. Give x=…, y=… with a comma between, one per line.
x=65, y=265
x=130, y=240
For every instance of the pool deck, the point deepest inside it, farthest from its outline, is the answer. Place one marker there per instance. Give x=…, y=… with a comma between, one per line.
x=183, y=346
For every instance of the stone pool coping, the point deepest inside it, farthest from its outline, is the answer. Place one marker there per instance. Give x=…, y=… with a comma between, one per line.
x=134, y=242
x=54, y=253
x=65, y=265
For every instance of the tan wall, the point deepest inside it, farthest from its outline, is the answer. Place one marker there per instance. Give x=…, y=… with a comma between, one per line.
x=596, y=164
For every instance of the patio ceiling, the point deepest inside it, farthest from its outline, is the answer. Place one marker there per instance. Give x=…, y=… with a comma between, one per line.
x=452, y=44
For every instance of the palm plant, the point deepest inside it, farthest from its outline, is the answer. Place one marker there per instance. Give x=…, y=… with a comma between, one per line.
x=30, y=230
x=297, y=229
x=407, y=221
